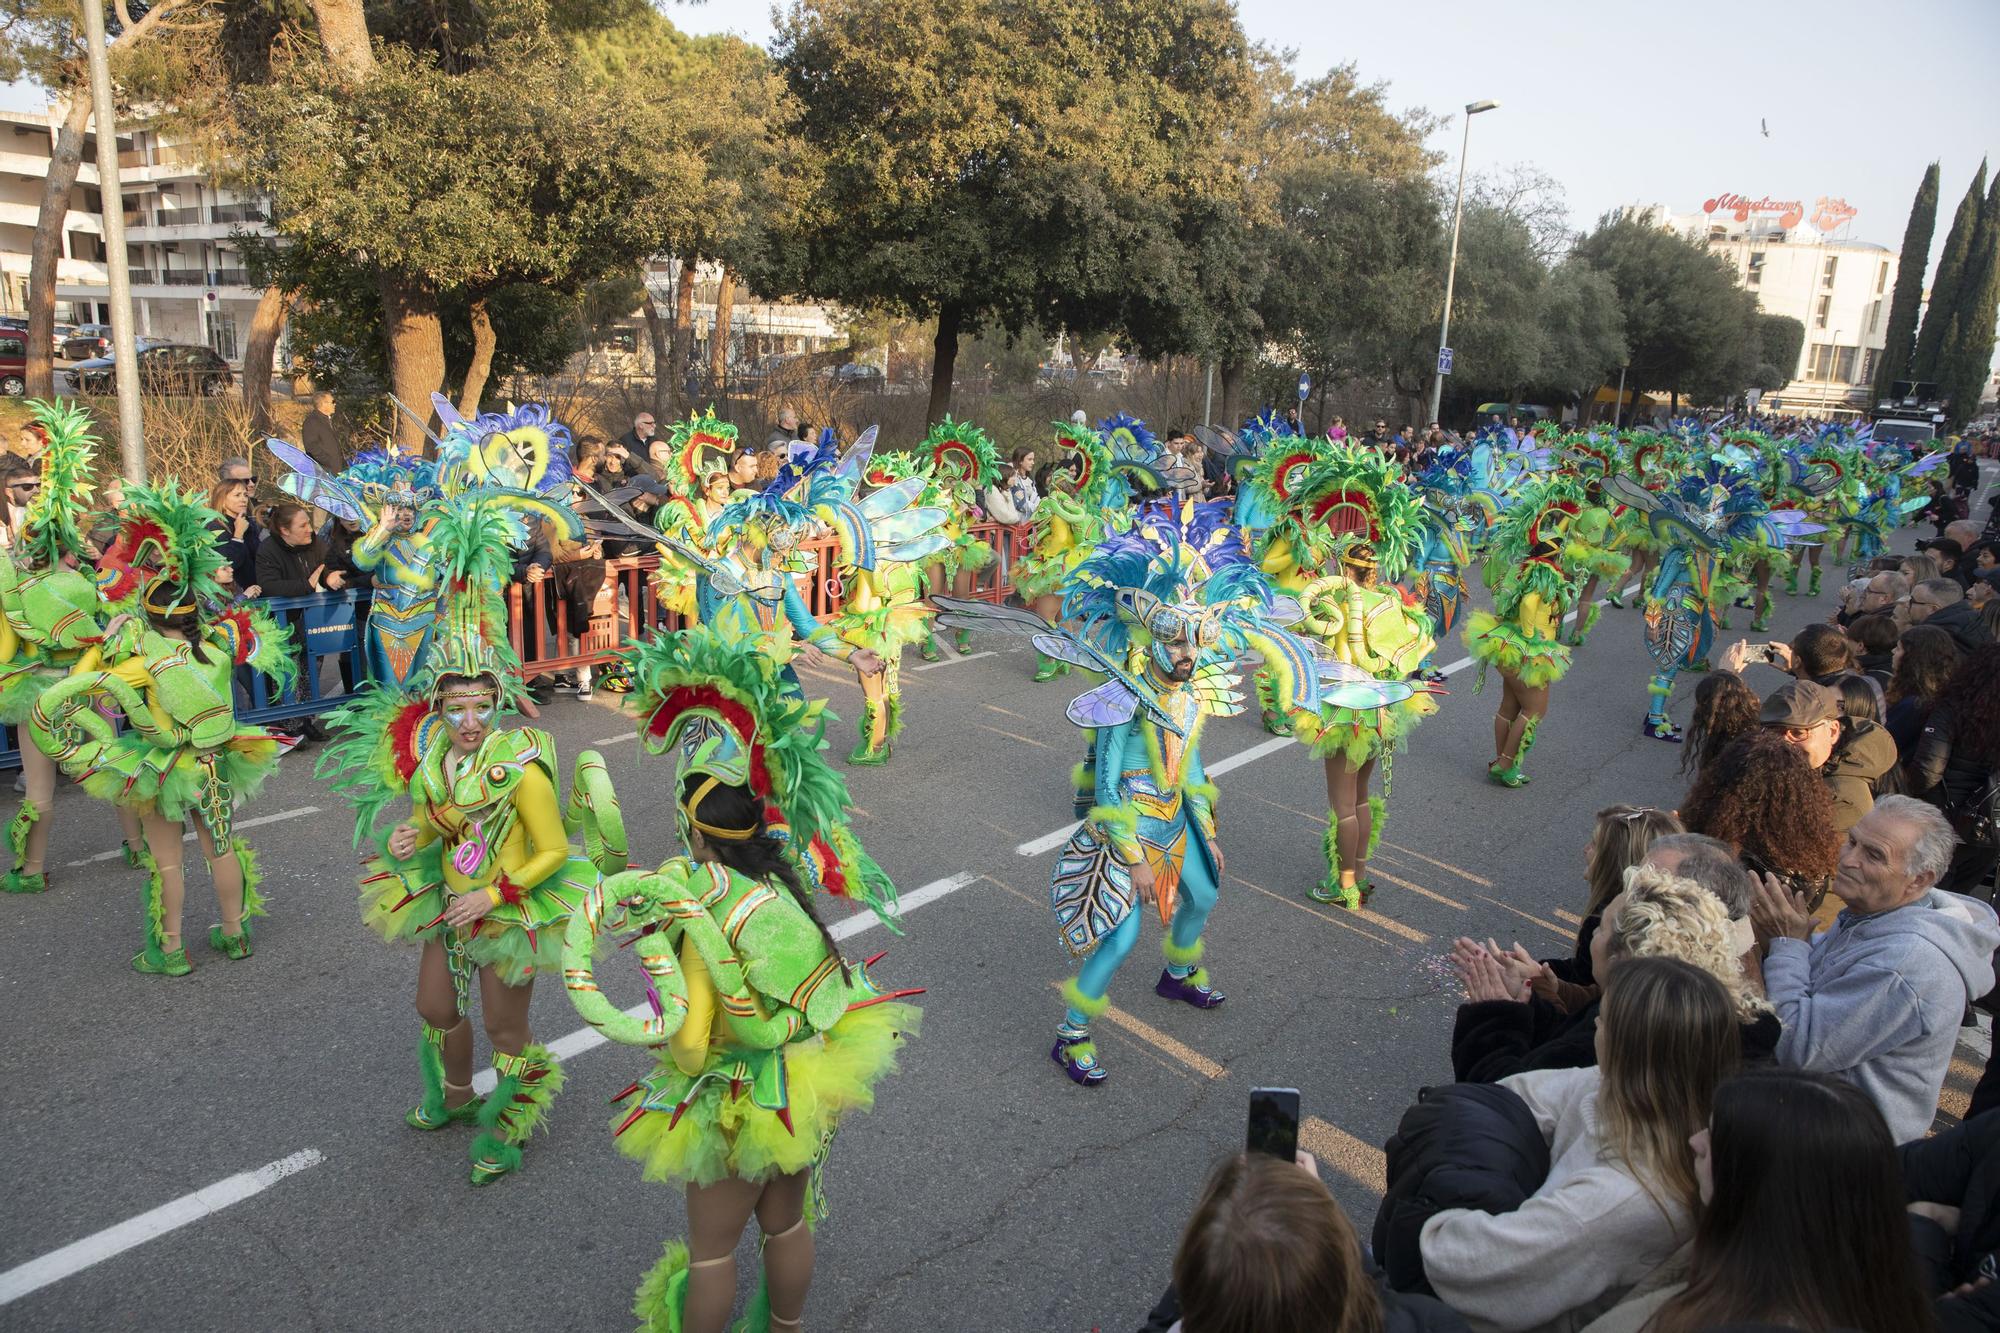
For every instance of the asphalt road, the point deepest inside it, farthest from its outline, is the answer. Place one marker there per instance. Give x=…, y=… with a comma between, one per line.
x=984, y=1192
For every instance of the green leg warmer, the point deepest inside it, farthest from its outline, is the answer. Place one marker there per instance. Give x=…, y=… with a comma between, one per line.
x=1378, y=815
x=433, y=1112
x=757, y=1314
x=516, y=1107
x=17, y=880
x=1329, y=889
x=1792, y=577
x=962, y=640
x=1813, y=587
x=1586, y=620
x=154, y=960
x=662, y=1295
x=863, y=752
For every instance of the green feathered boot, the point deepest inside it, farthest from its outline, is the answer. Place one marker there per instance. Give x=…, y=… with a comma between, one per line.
x=661, y=1299
x=516, y=1107
x=1792, y=580
x=432, y=1112
x=237, y=947
x=19, y=830
x=155, y=960
x=929, y=650
x=1048, y=668
x=1812, y=588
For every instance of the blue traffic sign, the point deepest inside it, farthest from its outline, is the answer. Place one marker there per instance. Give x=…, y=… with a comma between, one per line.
x=1305, y=386
x=1444, y=361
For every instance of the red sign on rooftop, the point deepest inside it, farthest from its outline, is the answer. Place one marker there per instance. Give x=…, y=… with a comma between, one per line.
x=1789, y=211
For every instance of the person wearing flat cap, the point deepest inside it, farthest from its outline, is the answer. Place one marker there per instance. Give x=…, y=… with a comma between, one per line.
x=1851, y=756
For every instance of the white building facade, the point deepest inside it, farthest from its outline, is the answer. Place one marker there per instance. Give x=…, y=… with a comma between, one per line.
x=1795, y=258
x=189, y=284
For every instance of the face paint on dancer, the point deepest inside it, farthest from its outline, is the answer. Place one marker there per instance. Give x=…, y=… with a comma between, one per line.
x=468, y=712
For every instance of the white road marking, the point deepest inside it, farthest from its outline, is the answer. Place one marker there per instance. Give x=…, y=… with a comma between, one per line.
x=969, y=657
x=134, y=1232
x=258, y=822
x=618, y=739
x=573, y=1044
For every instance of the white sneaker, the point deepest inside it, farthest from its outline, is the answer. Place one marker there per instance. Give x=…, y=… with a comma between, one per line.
x=583, y=690
x=21, y=784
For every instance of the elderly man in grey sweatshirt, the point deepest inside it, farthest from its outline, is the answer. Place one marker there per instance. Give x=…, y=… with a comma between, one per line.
x=1877, y=998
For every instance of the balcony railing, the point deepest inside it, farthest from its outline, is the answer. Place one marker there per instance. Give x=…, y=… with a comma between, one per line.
x=182, y=277
x=176, y=217
x=231, y=277
x=238, y=213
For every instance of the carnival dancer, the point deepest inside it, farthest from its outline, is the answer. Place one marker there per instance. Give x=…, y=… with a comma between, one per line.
x=1291, y=549
x=1068, y=524
x=1521, y=637
x=381, y=495
x=1163, y=612
x=165, y=663
x=1832, y=457
x=1593, y=532
x=1372, y=520
x=700, y=474
x=1698, y=522
x=766, y=1038
x=482, y=874
x=959, y=462
x=50, y=614
x=1459, y=507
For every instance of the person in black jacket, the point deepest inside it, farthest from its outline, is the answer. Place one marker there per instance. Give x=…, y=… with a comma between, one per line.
x=1941, y=602
x=1953, y=1182
x=1956, y=766
x=291, y=561
x=1268, y=1248
x=1503, y=1028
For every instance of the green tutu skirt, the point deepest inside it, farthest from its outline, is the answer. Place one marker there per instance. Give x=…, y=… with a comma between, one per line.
x=1361, y=734
x=724, y=1134
x=1601, y=561
x=133, y=772
x=400, y=899
x=21, y=683
x=1533, y=661
x=1039, y=575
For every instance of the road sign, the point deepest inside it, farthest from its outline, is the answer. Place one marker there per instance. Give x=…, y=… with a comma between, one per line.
x=1444, y=361
x=1305, y=386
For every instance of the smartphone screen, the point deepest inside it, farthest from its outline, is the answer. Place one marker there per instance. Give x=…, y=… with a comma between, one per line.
x=1274, y=1122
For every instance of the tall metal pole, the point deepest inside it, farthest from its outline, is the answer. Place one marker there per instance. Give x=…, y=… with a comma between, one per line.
x=1208, y=398
x=1451, y=269
x=124, y=347
x=1618, y=409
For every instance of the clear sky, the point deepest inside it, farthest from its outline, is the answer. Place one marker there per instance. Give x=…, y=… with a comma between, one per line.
x=1661, y=103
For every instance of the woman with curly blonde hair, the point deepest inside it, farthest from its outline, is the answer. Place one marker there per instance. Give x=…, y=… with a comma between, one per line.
x=1503, y=1029
x=1762, y=797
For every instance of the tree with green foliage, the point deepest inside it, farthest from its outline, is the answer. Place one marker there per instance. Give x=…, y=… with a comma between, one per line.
x=1948, y=286
x=1689, y=327
x=1911, y=263
x=993, y=163
x=1582, y=330
x=1967, y=359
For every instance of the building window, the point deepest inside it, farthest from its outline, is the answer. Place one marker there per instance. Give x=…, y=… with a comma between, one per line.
x=1756, y=274
x=1882, y=277
x=1826, y=275
x=1821, y=311
x=222, y=334
x=1830, y=364
x=1874, y=315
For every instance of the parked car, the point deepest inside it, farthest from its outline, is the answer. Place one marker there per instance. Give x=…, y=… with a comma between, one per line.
x=64, y=332
x=13, y=364
x=89, y=340
x=859, y=376
x=163, y=368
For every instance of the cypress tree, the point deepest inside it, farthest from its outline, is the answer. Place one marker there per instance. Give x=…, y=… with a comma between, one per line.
x=1968, y=350
x=1911, y=265
x=1948, y=283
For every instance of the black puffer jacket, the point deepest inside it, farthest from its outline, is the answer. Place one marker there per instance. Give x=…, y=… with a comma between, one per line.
x=1962, y=622
x=1959, y=1168
x=1941, y=770
x=1468, y=1145
x=1402, y=1312
x=1492, y=1039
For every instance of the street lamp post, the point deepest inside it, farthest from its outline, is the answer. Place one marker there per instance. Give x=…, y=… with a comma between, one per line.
x=1451, y=269
x=124, y=345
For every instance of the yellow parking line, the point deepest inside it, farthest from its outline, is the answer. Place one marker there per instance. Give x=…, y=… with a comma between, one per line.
x=1375, y=869
x=1549, y=926
x=1340, y=919
x=1441, y=865
x=1160, y=1041
x=1039, y=745
x=1362, y=1163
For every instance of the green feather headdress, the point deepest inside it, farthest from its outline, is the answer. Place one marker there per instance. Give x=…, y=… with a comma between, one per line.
x=53, y=528
x=165, y=551
x=1361, y=499
x=962, y=448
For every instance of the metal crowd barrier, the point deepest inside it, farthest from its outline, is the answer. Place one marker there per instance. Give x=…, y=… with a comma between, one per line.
x=537, y=626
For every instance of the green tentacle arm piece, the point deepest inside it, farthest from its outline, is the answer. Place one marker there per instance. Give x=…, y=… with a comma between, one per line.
x=632, y=900
x=593, y=814
x=67, y=727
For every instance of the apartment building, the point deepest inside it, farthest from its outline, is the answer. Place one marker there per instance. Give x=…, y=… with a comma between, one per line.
x=188, y=278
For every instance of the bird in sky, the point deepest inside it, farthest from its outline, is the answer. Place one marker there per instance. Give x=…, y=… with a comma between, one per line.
x=1765, y=126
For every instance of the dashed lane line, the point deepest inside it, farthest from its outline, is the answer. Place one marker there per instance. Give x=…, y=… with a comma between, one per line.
x=261, y=820
x=952, y=661
x=28, y=1278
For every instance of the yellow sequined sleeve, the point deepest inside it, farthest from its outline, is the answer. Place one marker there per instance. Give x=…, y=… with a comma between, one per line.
x=541, y=817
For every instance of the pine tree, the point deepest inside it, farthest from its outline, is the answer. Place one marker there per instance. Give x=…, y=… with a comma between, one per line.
x=1968, y=351
x=1910, y=268
x=1947, y=285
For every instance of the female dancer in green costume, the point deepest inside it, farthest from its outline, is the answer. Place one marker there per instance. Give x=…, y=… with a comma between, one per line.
x=766, y=1037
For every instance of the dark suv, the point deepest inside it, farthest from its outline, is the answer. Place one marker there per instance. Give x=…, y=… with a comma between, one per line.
x=88, y=341
x=163, y=368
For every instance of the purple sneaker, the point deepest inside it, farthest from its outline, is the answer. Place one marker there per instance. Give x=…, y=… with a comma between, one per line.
x=1191, y=989
x=1662, y=730
x=1078, y=1059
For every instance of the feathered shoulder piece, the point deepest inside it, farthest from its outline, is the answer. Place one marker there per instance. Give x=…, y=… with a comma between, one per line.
x=961, y=448
x=53, y=528
x=698, y=448
x=165, y=552
x=524, y=448
x=718, y=710
x=378, y=735
x=1128, y=438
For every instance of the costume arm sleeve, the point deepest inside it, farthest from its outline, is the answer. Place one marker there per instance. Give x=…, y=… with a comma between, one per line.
x=1843, y=1019
x=689, y=1046
x=541, y=817
x=370, y=548
x=819, y=636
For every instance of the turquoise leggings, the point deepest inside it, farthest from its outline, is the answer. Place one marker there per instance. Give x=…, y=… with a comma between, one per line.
x=1197, y=899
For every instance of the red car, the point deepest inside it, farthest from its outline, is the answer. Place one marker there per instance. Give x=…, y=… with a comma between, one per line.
x=13, y=363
